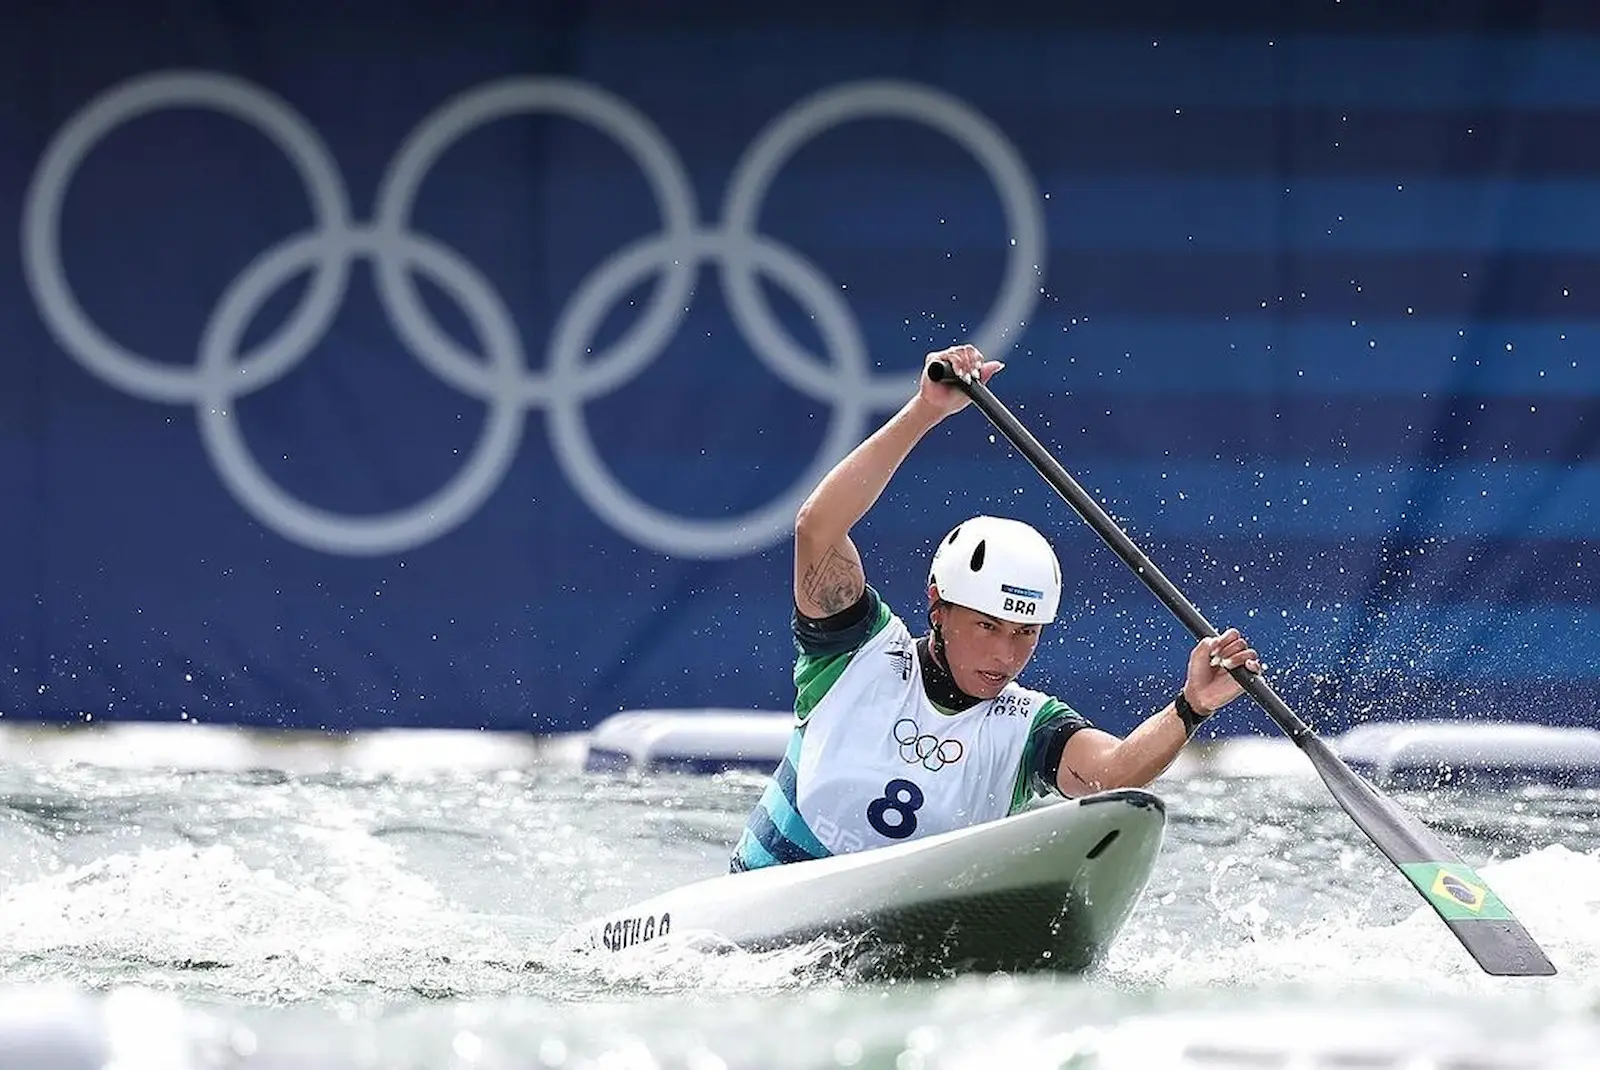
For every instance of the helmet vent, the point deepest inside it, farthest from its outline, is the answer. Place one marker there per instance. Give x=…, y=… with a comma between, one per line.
x=977, y=554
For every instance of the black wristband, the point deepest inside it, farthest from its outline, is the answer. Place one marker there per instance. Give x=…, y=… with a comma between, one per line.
x=1187, y=714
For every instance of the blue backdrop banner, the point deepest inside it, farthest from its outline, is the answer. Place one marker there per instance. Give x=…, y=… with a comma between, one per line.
x=427, y=363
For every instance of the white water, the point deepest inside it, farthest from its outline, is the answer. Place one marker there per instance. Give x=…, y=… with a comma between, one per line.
x=413, y=919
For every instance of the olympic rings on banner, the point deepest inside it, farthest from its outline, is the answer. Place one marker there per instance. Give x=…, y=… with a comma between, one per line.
x=572, y=374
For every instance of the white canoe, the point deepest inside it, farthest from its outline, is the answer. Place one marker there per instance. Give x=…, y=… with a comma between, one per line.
x=1048, y=889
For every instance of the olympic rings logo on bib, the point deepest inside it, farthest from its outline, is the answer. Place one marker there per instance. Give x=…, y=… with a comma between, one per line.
x=574, y=370
x=917, y=746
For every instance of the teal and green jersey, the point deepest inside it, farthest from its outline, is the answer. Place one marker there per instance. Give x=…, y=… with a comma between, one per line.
x=777, y=833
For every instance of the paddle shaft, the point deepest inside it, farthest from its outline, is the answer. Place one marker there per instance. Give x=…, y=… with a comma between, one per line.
x=1473, y=913
x=1124, y=547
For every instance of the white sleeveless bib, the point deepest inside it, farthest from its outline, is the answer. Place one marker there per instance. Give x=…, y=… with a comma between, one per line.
x=879, y=764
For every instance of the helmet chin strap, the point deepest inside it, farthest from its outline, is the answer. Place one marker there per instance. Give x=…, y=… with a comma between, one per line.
x=936, y=647
x=936, y=642
x=942, y=682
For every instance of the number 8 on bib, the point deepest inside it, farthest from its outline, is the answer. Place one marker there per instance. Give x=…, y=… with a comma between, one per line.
x=901, y=798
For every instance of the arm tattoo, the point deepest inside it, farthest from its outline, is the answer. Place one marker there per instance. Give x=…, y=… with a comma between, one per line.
x=834, y=583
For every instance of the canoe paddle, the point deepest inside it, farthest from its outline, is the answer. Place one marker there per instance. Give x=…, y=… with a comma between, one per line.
x=1477, y=917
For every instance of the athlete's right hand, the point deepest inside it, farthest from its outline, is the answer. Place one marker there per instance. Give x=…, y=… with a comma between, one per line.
x=946, y=398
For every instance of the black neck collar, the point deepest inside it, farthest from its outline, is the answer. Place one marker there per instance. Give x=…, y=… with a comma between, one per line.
x=937, y=682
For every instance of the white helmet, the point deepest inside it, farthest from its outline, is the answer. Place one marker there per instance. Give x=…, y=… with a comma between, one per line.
x=1001, y=567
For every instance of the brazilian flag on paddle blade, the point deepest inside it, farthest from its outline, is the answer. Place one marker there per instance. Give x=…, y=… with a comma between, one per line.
x=1456, y=892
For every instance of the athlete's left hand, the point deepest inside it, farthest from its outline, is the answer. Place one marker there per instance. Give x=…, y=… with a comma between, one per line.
x=1209, y=685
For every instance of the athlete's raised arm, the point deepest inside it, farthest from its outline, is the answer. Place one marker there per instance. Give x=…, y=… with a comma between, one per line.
x=828, y=576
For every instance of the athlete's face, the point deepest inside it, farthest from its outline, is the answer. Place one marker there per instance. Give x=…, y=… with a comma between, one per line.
x=985, y=653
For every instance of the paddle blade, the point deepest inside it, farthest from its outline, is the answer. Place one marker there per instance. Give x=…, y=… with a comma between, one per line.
x=1474, y=914
x=1464, y=900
